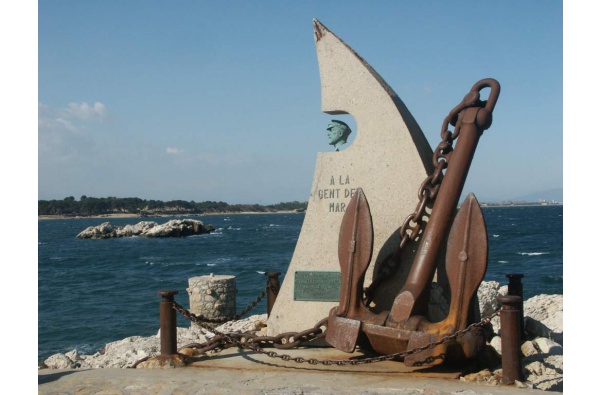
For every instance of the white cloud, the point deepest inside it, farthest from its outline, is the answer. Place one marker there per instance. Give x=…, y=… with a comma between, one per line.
x=85, y=111
x=174, y=151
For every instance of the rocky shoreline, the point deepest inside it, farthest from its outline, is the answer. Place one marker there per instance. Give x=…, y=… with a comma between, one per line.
x=542, y=349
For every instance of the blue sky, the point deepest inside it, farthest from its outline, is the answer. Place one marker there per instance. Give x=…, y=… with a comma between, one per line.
x=221, y=100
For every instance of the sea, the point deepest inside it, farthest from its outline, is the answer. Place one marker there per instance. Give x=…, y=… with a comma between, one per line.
x=92, y=292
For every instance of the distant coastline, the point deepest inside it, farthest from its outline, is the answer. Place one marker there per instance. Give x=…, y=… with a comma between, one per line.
x=128, y=215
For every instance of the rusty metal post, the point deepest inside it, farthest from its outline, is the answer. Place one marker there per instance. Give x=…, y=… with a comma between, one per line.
x=515, y=288
x=510, y=335
x=273, y=290
x=168, y=323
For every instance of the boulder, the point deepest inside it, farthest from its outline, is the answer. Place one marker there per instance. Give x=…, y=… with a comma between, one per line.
x=545, y=372
x=59, y=361
x=178, y=228
x=136, y=230
x=544, y=316
x=102, y=231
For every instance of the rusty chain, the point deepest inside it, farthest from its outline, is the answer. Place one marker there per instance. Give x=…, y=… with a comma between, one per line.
x=412, y=226
x=250, y=341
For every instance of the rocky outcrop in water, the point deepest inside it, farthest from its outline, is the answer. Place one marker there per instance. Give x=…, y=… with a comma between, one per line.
x=173, y=228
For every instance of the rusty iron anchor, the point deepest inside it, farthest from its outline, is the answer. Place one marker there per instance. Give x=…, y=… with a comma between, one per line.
x=471, y=123
x=406, y=327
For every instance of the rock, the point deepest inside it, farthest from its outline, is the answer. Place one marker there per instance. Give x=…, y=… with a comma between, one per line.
x=548, y=346
x=136, y=230
x=59, y=361
x=544, y=372
x=127, y=352
x=496, y=344
x=528, y=348
x=160, y=362
x=102, y=231
x=544, y=316
x=484, y=376
x=173, y=228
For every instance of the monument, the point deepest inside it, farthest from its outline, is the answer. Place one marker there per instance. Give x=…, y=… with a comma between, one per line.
x=388, y=159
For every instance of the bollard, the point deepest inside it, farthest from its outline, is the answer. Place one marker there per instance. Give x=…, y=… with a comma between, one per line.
x=515, y=287
x=510, y=338
x=212, y=296
x=168, y=323
x=272, y=291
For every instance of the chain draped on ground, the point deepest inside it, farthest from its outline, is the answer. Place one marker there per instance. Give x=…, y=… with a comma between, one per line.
x=288, y=340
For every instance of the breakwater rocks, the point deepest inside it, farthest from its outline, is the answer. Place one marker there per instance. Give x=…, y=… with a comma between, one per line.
x=125, y=353
x=173, y=228
x=542, y=358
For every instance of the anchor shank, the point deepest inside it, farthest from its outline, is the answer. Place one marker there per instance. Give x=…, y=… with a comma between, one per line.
x=410, y=299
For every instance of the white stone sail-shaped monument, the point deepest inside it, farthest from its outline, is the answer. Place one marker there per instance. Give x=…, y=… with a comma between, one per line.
x=389, y=159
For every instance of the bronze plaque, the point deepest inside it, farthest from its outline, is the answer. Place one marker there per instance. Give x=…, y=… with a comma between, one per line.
x=317, y=286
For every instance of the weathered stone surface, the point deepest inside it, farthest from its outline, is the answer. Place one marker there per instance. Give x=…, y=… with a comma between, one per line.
x=545, y=372
x=544, y=316
x=173, y=228
x=389, y=159
x=212, y=296
x=160, y=362
x=548, y=346
x=496, y=343
x=135, y=230
x=59, y=361
x=484, y=376
x=528, y=348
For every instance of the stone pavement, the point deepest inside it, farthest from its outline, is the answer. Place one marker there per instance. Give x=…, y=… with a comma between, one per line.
x=235, y=372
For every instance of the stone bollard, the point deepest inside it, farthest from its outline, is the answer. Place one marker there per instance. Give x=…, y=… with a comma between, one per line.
x=212, y=296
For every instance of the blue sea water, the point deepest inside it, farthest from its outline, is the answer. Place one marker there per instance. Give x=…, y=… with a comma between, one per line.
x=91, y=292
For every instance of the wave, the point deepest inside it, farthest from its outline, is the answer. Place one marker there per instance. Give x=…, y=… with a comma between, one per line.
x=496, y=235
x=503, y=261
x=533, y=253
x=260, y=272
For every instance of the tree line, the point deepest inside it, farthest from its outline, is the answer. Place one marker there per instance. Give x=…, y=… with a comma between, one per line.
x=87, y=206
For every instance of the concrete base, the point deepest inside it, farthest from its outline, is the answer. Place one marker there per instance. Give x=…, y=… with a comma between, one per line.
x=238, y=372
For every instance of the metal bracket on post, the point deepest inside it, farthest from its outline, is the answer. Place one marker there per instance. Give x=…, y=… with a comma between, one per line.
x=510, y=339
